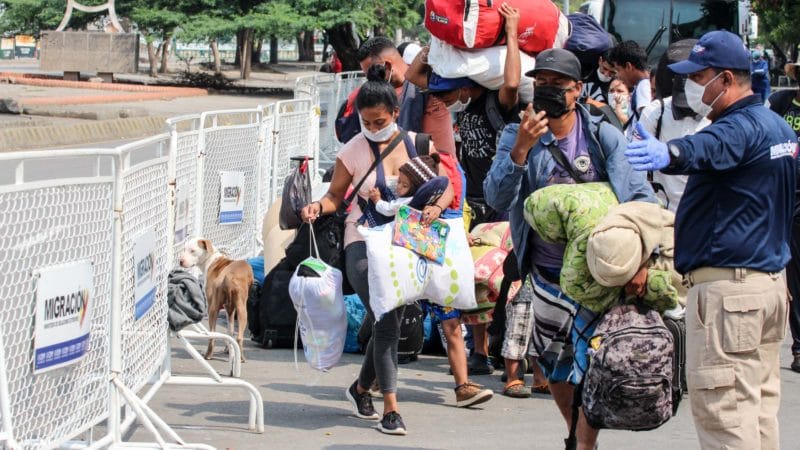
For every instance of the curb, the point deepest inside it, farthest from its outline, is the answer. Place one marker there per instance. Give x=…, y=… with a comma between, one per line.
x=126, y=92
x=48, y=137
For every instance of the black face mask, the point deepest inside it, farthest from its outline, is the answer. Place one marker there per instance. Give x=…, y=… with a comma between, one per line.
x=551, y=99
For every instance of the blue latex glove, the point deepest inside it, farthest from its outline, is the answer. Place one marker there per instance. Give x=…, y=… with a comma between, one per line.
x=648, y=153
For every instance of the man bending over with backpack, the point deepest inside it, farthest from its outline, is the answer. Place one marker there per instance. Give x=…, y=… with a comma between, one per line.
x=524, y=164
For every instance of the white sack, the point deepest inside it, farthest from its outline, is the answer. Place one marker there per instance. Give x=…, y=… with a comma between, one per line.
x=398, y=276
x=321, y=313
x=484, y=66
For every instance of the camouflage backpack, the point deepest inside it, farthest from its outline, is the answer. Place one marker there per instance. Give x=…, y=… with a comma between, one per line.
x=628, y=383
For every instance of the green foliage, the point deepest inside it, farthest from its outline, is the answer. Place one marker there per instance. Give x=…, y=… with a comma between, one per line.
x=777, y=22
x=33, y=16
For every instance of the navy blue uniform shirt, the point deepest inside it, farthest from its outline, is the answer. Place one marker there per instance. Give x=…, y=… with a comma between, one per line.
x=736, y=210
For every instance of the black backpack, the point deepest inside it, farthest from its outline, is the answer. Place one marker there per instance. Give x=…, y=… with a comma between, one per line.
x=274, y=316
x=347, y=126
x=679, y=387
x=781, y=101
x=412, y=333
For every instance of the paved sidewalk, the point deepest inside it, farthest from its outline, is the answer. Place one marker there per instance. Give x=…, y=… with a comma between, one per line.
x=307, y=410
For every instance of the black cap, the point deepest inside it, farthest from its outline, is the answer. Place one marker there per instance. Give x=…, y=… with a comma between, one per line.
x=557, y=60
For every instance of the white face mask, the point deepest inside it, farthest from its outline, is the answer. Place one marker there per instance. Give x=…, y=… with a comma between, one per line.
x=459, y=106
x=381, y=135
x=603, y=77
x=694, y=96
x=615, y=99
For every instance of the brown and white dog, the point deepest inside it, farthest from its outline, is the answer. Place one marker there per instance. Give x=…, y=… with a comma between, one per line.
x=228, y=284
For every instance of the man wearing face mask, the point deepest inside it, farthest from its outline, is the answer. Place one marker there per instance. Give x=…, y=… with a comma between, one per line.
x=418, y=112
x=670, y=117
x=557, y=128
x=732, y=235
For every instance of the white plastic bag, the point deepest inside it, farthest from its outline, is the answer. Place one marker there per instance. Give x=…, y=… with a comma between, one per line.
x=398, y=276
x=316, y=292
x=484, y=66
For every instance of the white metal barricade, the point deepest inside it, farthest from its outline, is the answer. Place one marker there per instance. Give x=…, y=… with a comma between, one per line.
x=50, y=222
x=328, y=92
x=230, y=141
x=321, y=89
x=184, y=139
x=293, y=138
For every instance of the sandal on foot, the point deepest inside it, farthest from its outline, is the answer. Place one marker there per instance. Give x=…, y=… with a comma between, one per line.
x=543, y=388
x=516, y=389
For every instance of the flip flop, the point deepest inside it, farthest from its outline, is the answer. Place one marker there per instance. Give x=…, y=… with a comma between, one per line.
x=516, y=389
x=543, y=388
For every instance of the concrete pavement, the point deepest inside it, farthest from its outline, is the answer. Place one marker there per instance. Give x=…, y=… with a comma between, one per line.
x=308, y=410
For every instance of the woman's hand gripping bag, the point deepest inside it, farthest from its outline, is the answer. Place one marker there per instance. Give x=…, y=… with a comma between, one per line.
x=398, y=276
x=567, y=214
x=316, y=292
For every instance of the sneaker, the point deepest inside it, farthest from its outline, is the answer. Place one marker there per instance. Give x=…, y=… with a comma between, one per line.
x=392, y=423
x=478, y=364
x=406, y=359
x=796, y=362
x=362, y=403
x=375, y=390
x=471, y=394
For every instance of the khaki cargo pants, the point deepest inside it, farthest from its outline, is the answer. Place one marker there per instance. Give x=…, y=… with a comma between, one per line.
x=735, y=323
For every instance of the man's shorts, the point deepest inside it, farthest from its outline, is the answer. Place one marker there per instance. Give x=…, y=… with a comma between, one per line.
x=561, y=332
x=519, y=323
x=441, y=313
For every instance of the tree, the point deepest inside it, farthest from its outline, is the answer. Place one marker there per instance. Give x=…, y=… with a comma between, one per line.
x=34, y=16
x=208, y=27
x=777, y=26
x=154, y=20
x=347, y=22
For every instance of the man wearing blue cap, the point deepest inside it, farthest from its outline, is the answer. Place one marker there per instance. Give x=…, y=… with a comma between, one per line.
x=731, y=243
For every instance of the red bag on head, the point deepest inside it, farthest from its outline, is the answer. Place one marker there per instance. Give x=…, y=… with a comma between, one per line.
x=478, y=23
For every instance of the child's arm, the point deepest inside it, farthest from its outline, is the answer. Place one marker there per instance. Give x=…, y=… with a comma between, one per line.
x=391, y=208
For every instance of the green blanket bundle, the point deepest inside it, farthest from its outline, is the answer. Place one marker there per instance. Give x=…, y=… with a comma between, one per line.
x=569, y=214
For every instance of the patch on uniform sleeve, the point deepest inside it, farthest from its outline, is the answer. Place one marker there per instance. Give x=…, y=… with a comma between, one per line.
x=783, y=149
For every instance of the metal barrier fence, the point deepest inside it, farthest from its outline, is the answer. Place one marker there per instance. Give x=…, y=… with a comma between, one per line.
x=89, y=246
x=328, y=91
x=50, y=225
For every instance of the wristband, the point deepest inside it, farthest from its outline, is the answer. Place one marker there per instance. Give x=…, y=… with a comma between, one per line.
x=320, y=207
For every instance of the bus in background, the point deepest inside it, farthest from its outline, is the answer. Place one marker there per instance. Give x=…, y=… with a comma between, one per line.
x=654, y=24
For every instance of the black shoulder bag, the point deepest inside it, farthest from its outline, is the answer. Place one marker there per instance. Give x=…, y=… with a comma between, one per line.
x=561, y=160
x=329, y=229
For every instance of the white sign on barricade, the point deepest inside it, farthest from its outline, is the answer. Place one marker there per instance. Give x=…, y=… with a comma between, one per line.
x=184, y=143
x=182, y=215
x=144, y=263
x=231, y=141
x=63, y=314
x=231, y=198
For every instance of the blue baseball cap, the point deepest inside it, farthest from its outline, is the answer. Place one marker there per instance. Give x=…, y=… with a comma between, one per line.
x=717, y=49
x=438, y=83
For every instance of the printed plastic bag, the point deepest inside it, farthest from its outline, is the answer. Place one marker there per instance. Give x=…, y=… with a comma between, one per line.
x=398, y=276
